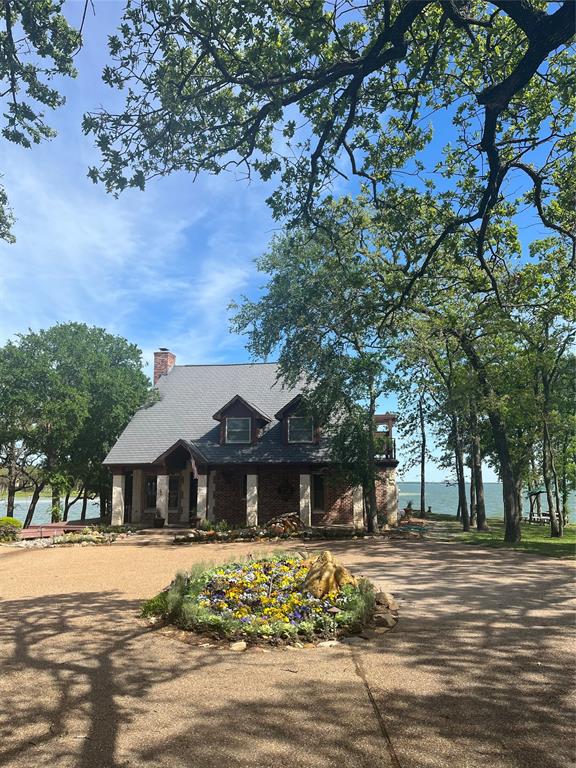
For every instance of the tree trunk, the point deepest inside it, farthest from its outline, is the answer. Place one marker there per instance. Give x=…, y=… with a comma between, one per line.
x=372, y=511
x=422, y=460
x=33, y=501
x=513, y=531
x=472, y=494
x=11, y=480
x=55, y=504
x=481, y=523
x=459, y=459
x=11, y=489
x=68, y=504
x=551, y=485
x=84, y=505
x=565, y=483
x=538, y=500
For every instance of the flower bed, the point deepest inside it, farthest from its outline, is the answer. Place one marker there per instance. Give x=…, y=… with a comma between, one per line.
x=86, y=536
x=264, y=598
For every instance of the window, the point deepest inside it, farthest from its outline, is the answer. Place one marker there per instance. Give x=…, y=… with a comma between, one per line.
x=150, y=492
x=173, y=492
x=300, y=429
x=239, y=430
x=318, y=502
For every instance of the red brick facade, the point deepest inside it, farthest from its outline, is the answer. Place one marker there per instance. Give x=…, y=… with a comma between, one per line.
x=164, y=361
x=229, y=500
x=278, y=494
x=339, y=507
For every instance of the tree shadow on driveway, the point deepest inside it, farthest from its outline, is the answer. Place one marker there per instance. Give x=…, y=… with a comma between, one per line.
x=476, y=675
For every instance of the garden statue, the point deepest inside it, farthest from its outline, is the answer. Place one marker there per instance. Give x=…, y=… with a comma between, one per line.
x=326, y=575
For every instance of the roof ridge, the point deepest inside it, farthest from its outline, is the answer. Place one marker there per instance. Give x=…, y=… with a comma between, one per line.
x=216, y=365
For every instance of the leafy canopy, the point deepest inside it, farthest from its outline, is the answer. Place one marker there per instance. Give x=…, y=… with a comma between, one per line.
x=37, y=44
x=319, y=91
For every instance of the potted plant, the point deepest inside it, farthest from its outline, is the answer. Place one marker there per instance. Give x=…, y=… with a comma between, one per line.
x=158, y=520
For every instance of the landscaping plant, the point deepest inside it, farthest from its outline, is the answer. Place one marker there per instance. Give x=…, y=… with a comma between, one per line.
x=9, y=528
x=263, y=598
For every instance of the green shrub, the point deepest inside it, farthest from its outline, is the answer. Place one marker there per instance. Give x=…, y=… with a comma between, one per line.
x=9, y=528
x=209, y=525
x=10, y=521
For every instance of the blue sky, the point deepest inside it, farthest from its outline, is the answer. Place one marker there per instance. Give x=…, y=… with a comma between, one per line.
x=158, y=267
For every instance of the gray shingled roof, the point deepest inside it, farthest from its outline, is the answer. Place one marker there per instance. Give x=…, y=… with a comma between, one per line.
x=190, y=395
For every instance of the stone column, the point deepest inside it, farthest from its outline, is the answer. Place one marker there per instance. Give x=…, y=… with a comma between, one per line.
x=137, y=495
x=118, y=483
x=358, y=507
x=305, y=500
x=162, y=495
x=211, y=494
x=251, y=500
x=185, y=496
x=391, y=491
x=202, y=500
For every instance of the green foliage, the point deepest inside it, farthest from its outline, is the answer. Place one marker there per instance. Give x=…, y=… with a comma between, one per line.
x=318, y=316
x=10, y=521
x=210, y=525
x=87, y=536
x=352, y=89
x=9, y=528
x=66, y=393
x=37, y=46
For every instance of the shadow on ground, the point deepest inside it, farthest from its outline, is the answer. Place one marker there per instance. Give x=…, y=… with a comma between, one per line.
x=477, y=674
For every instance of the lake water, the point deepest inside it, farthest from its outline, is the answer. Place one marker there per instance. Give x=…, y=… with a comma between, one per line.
x=442, y=498
x=42, y=512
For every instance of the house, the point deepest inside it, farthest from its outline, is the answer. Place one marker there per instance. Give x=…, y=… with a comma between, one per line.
x=229, y=442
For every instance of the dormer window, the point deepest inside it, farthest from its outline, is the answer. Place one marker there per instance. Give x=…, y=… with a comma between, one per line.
x=300, y=429
x=240, y=422
x=238, y=429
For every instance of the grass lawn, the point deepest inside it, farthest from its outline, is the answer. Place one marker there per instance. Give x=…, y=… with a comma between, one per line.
x=535, y=538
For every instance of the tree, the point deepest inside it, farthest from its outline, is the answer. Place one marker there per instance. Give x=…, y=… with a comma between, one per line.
x=37, y=45
x=66, y=394
x=317, y=92
x=317, y=313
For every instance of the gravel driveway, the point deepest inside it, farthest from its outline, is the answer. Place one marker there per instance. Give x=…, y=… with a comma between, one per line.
x=477, y=673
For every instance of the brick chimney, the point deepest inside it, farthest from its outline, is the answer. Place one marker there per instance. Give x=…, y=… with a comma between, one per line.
x=164, y=361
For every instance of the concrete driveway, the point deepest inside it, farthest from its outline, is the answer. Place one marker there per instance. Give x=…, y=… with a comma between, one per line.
x=477, y=673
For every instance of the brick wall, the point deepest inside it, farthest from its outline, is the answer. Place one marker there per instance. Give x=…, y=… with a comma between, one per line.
x=339, y=503
x=278, y=492
x=164, y=361
x=228, y=502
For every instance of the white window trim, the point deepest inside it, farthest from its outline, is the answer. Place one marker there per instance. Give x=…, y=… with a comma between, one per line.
x=239, y=442
x=309, y=418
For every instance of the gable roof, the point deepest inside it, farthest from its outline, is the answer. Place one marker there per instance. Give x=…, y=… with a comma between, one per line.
x=190, y=395
x=291, y=405
x=239, y=399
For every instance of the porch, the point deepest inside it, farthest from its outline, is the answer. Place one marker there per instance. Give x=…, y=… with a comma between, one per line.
x=243, y=496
